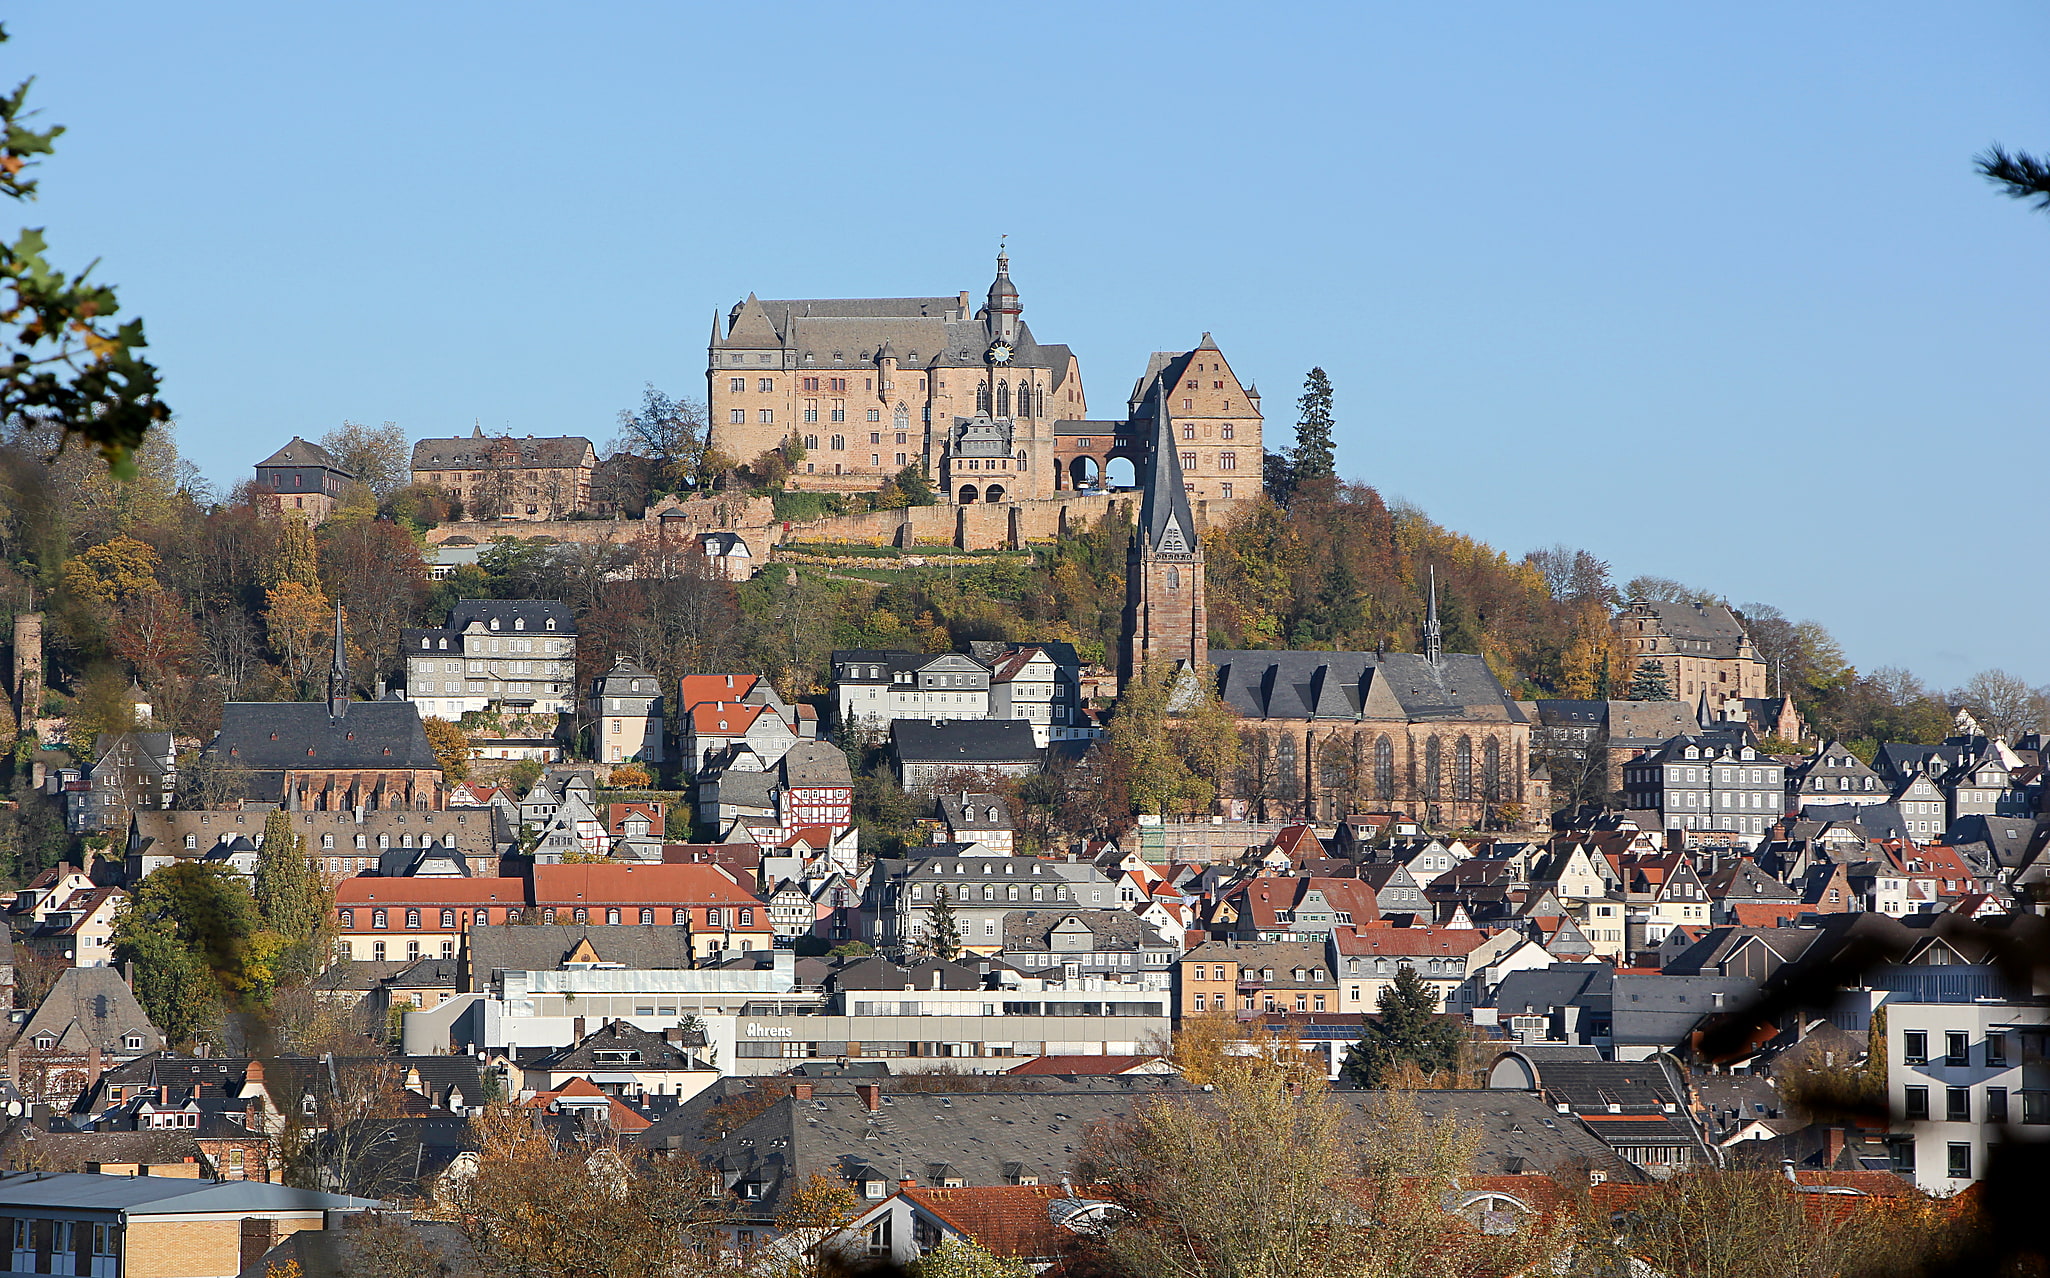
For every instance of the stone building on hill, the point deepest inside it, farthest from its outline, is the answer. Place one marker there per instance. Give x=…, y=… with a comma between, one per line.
x=303, y=478
x=1703, y=648
x=871, y=385
x=500, y=477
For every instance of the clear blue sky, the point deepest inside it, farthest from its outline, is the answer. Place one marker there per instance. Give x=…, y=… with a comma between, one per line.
x=1708, y=289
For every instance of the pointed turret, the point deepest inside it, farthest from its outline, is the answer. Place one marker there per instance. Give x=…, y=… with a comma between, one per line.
x=1165, y=520
x=1703, y=714
x=338, y=671
x=1434, y=635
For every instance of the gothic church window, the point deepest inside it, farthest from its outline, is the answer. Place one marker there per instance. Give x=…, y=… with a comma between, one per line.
x=1492, y=781
x=1462, y=769
x=1384, y=768
x=1003, y=399
x=1433, y=766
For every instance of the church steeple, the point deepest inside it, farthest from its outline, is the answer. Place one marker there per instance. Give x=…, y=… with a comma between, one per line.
x=1434, y=636
x=338, y=671
x=1165, y=617
x=1004, y=306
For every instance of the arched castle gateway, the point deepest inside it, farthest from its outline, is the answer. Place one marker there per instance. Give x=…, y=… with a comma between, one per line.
x=1433, y=734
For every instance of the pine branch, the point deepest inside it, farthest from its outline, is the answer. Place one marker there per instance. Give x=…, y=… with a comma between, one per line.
x=2020, y=175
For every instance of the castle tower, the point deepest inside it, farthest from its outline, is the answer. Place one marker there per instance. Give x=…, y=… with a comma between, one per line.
x=28, y=667
x=1164, y=615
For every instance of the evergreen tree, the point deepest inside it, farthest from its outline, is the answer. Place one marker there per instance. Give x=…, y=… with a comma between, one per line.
x=942, y=929
x=1312, y=458
x=1649, y=683
x=290, y=898
x=1406, y=1027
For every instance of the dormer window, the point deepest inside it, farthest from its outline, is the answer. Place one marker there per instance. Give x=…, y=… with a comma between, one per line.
x=519, y=623
x=551, y=623
x=45, y=1042
x=494, y=623
x=132, y=1043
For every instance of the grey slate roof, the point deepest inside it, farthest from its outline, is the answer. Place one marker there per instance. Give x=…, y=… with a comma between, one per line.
x=281, y=735
x=1032, y=930
x=963, y=742
x=1560, y=985
x=1361, y=685
x=1518, y=1133
x=1660, y=1011
x=482, y=450
x=1166, y=524
x=542, y=947
x=653, y=1051
x=536, y=613
x=91, y=1007
x=302, y=452
x=872, y=973
x=1712, y=624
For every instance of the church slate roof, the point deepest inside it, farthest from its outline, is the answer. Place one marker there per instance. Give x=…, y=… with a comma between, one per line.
x=1361, y=685
x=287, y=735
x=1165, y=520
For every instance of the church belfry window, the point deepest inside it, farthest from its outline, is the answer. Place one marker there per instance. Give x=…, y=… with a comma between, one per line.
x=1174, y=577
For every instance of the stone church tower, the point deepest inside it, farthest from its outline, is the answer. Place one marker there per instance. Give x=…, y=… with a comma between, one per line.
x=1164, y=615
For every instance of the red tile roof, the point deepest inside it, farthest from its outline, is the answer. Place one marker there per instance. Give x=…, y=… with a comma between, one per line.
x=613, y=884
x=724, y=718
x=1007, y=1220
x=715, y=687
x=374, y=889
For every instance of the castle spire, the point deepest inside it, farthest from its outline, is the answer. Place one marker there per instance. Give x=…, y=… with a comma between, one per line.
x=338, y=671
x=1434, y=637
x=1004, y=306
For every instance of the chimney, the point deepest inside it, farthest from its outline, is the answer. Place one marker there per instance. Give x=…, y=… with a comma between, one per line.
x=909, y=1182
x=871, y=1095
x=1833, y=1149
x=800, y=1091
x=92, y=1064
x=576, y=1030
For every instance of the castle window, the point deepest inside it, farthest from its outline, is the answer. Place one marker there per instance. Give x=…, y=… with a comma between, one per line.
x=1188, y=432
x=875, y=414
x=766, y=416
x=766, y=385
x=1226, y=429
x=736, y=416
x=736, y=383
x=1227, y=461
x=839, y=441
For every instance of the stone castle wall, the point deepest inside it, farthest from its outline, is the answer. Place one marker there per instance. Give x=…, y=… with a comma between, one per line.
x=982, y=526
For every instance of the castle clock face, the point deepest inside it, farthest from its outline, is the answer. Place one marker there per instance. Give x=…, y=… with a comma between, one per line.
x=1000, y=353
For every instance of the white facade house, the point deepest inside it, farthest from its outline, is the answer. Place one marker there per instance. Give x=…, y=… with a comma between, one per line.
x=626, y=706
x=494, y=654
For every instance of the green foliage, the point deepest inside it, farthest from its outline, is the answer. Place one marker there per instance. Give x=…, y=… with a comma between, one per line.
x=189, y=929
x=291, y=899
x=941, y=938
x=802, y=507
x=1313, y=458
x=1649, y=683
x=69, y=368
x=851, y=949
x=2018, y=174
x=1406, y=1027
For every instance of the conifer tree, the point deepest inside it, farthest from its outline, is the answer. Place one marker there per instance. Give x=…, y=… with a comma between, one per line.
x=290, y=898
x=1649, y=683
x=1406, y=1027
x=942, y=929
x=1312, y=458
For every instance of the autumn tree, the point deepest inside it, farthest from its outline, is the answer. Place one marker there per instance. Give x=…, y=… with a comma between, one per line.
x=1172, y=742
x=300, y=625
x=378, y=456
x=808, y=1228
x=2004, y=705
x=539, y=1206
x=669, y=430
x=451, y=748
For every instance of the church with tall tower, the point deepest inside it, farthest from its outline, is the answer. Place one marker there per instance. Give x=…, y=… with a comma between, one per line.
x=1325, y=734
